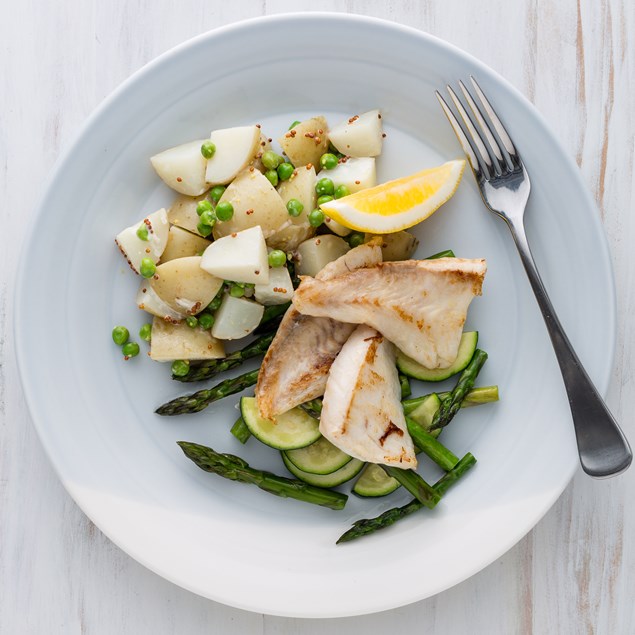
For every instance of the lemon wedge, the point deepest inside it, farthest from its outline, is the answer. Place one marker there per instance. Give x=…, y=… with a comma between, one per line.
x=399, y=204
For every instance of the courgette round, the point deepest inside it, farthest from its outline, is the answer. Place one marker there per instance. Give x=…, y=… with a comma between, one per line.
x=290, y=430
x=374, y=482
x=424, y=413
x=346, y=473
x=321, y=457
x=467, y=346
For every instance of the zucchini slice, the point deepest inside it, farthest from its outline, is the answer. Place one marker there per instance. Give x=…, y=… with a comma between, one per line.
x=291, y=430
x=374, y=481
x=424, y=413
x=321, y=457
x=346, y=473
x=467, y=346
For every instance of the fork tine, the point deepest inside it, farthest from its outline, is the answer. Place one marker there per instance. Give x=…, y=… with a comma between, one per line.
x=465, y=142
x=476, y=137
x=498, y=126
x=491, y=140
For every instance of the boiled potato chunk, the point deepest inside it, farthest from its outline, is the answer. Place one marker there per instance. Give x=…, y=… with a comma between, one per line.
x=278, y=290
x=337, y=228
x=183, y=212
x=148, y=300
x=241, y=257
x=184, y=286
x=314, y=254
x=255, y=202
x=301, y=186
x=182, y=243
x=182, y=168
x=235, y=149
x=263, y=146
x=135, y=249
x=356, y=174
x=236, y=318
x=359, y=136
x=397, y=246
x=307, y=142
x=179, y=341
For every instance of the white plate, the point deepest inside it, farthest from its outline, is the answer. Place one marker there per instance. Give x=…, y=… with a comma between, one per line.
x=94, y=413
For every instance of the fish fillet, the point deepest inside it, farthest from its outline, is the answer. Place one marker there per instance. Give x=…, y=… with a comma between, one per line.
x=419, y=305
x=361, y=411
x=297, y=363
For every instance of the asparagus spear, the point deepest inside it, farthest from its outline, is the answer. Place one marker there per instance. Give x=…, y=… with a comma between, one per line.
x=271, y=318
x=450, y=406
x=426, y=443
x=369, y=525
x=203, y=398
x=475, y=397
x=404, y=382
x=416, y=485
x=212, y=367
x=448, y=253
x=240, y=430
x=313, y=407
x=236, y=469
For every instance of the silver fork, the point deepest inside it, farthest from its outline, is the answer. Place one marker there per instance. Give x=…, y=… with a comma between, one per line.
x=504, y=185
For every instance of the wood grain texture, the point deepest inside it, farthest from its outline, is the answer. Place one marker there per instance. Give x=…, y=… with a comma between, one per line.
x=574, y=573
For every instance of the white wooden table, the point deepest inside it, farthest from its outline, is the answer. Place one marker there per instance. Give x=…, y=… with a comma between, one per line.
x=574, y=573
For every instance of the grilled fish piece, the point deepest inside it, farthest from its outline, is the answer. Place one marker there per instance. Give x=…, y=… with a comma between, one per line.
x=297, y=363
x=361, y=411
x=419, y=305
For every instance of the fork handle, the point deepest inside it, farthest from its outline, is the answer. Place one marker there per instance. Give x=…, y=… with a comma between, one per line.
x=602, y=446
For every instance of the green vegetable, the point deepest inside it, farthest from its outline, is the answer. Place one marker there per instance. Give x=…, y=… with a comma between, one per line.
x=142, y=232
x=217, y=301
x=272, y=175
x=321, y=457
x=271, y=318
x=271, y=160
x=211, y=367
x=208, y=218
x=425, y=442
x=180, y=367
x=236, y=469
x=208, y=149
x=201, y=399
x=333, y=479
x=404, y=383
x=203, y=206
x=316, y=218
x=120, y=335
x=145, y=332
x=236, y=291
x=448, y=253
x=355, y=239
x=206, y=320
x=475, y=397
x=294, y=207
x=325, y=187
x=328, y=161
x=450, y=406
x=203, y=229
x=294, y=124
x=285, y=170
x=277, y=258
x=341, y=191
x=240, y=430
x=324, y=199
x=147, y=268
x=415, y=484
x=191, y=321
x=224, y=211
x=216, y=192
x=130, y=349
x=369, y=525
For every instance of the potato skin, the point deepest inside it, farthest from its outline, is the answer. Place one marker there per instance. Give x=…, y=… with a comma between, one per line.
x=306, y=142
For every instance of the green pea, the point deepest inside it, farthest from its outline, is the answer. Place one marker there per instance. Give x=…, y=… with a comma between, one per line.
x=294, y=124
x=142, y=231
x=271, y=160
x=294, y=207
x=145, y=332
x=236, y=291
x=325, y=187
x=224, y=211
x=272, y=175
x=208, y=149
x=147, y=268
x=214, y=305
x=208, y=218
x=120, y=335
x=328, y=161
x=203, y=229
x=316, y=218
x=341, y=191
x=203, y=206
x=324, y=199
x=277, y=258
x=180, y=367
x=285, y=170
x=191, y=321
x=355, y=239
x=206, y=320
x=130, y=349
x=216, y=192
